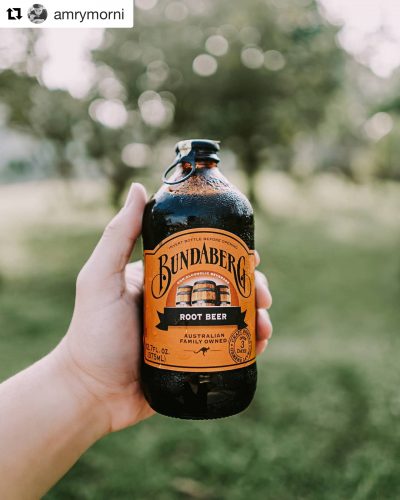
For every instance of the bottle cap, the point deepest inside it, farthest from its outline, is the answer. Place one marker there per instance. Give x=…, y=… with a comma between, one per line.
x=201, y=146
x=191, y=151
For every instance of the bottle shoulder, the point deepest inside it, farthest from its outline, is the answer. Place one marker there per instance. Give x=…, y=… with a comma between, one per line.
x=207, y=200
x=201, y=194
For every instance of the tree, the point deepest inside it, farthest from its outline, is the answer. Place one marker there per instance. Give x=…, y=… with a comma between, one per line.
x=48, y=115
x=279, y=71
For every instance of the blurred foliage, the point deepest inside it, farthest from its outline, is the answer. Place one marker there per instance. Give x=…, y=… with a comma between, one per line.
x=48, y=115
x=277, y=67
x=270, y=81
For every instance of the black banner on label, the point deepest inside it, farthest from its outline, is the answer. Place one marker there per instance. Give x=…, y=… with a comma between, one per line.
x=201, y=316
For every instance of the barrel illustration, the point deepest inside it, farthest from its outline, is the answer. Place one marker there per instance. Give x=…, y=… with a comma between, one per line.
x=224, y=295
x=204, y=293
x=184, y=296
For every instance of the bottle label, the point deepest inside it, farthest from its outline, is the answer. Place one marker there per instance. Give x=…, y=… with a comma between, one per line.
x=199, y=302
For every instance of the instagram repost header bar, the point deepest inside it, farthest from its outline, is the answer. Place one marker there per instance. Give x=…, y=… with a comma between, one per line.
x=66, y=14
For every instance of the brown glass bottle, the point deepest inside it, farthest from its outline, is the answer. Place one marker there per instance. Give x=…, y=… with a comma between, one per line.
x=206, y=199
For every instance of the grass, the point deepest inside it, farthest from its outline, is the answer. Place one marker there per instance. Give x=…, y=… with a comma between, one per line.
x=324, y=423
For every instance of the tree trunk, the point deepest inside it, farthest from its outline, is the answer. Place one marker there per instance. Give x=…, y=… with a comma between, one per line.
x=250, y=167
x=251, y=188
x=117, y=188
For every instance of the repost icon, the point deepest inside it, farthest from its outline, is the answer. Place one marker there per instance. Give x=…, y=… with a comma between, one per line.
x=14, y=13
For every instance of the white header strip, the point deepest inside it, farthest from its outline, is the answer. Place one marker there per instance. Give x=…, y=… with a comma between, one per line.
x=66, y=14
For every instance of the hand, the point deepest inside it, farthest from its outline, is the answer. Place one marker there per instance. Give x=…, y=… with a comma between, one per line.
x=102, y=347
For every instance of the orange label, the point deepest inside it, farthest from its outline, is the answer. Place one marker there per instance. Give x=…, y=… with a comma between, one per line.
x=199, y=302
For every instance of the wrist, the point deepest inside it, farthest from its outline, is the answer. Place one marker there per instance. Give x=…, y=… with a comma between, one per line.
x=87, y=406
x=58, y=419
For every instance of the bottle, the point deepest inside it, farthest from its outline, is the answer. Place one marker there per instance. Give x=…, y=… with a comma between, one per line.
x=199, y=292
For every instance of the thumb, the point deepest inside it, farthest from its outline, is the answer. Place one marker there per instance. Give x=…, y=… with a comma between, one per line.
x=114, y=249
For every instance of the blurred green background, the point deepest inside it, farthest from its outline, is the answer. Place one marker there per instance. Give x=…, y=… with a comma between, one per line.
x=304, y=97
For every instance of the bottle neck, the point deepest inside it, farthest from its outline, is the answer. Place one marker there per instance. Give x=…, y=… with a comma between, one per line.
x=200, y=165
x=206, y=179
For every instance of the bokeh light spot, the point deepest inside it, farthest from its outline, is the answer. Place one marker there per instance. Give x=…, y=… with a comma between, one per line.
x=378, y=126
x=110, y=88
x=274, y=60
x=136, y=155
x=155, y=111
x=252, y=57
x=205, y=65
x=157, y=71
x=176, y=11
x=217, y=45
x=110, y=113
x=145, y=4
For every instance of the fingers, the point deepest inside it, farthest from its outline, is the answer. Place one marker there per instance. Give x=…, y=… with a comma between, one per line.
x=261, y=345
x=264, y=325
x=264, y=330
x=113, y=251
x=263, y=302
x=263, y=295
x=134, y=277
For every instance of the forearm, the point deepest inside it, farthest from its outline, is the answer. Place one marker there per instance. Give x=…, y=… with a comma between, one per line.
x=47, y=420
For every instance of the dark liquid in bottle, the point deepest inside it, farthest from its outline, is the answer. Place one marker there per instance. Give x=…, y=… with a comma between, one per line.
x=205, y=200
